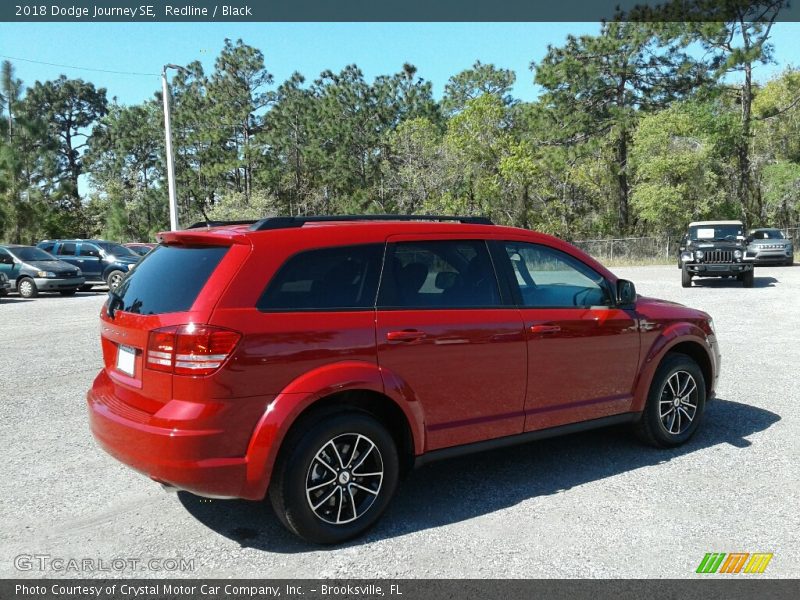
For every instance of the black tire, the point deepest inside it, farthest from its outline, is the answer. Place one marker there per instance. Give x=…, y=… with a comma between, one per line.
x=658, y=426
x=747, y=279
x=113, y=279
x=303, y=464
x=789, y=262
x=27, y=287
x=67, y=292
x=85, y=288
x=686, y=278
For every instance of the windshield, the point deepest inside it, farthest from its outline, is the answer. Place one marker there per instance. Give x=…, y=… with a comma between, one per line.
x=117, y=250
x=30, y=253
x=769, y=234
x=715, y=232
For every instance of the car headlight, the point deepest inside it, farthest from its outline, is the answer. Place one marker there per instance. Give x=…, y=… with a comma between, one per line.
x=46, y=274
x=699, y=254
x=130, y=267
x=737, y=254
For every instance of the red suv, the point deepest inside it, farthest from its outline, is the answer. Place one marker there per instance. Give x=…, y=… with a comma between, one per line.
x=317, y=359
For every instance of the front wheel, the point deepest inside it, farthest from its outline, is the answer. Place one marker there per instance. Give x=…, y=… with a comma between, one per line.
x=85, y=288
x=747, y=279
x=27, y=288
x=686, y=278
x=67, y=292
x=675, y=403
x=114, y=278
x=335, y=478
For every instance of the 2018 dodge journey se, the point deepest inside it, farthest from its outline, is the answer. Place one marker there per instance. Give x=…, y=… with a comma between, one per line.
x=314, y=360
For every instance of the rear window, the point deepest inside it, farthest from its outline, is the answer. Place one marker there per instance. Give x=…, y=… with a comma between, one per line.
x=330, y=279
x=169, y=279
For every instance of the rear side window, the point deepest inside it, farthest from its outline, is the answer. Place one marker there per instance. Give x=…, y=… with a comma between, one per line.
x=169, y=279
x=439, y=274
x=327, y=279
x=67, y=249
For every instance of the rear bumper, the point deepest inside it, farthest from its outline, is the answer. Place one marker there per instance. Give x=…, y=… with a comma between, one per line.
x=188, y=459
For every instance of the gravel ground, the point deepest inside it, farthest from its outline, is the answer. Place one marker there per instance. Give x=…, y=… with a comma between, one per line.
x=589, y=505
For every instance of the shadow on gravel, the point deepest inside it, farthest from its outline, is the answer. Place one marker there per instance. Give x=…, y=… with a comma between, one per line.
x=458, y=489
x=718, y=282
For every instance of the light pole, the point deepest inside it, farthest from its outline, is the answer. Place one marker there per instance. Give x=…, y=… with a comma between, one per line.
x=173, y=203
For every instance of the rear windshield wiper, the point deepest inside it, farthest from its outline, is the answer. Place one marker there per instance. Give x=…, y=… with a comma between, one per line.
x=114, y=301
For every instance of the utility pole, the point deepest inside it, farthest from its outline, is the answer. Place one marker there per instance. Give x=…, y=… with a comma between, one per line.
x=173, y=202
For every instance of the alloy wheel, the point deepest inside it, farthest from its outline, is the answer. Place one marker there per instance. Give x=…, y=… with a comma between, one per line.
x=678, y=402
x=344, y=478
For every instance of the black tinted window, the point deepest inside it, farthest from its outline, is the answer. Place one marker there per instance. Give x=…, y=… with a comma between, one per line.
x=333, y=278
x=441, y=274
x=168, y=279
x=89, y=250
x=67, y=249
x=550, y=278
x=47, y=247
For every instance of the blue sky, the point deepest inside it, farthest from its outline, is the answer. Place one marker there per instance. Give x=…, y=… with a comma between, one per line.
x=438, y=50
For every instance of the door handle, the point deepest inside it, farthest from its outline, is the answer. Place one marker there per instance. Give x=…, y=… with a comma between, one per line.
x=409, y=335
x=545, y=328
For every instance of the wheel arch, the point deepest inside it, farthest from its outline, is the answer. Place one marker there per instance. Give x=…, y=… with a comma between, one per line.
x=354, y=384
x=682, y=338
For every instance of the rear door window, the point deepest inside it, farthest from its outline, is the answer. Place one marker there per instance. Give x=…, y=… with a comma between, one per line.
x=439, y=274
x=343, y=278
x=67, y=249
x=169, y=279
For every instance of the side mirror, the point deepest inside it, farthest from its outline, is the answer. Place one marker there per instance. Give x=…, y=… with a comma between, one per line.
x=626, y=293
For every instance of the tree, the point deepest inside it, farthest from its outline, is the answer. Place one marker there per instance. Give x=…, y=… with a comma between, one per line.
x=679, y=161
x=70, y=107
x=476, y=81
x=736, y=34
x=597, y=85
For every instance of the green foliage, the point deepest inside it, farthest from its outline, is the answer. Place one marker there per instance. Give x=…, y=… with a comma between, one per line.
x=631, y=135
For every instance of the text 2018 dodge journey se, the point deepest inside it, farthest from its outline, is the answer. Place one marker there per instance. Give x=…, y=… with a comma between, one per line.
x=315, y=360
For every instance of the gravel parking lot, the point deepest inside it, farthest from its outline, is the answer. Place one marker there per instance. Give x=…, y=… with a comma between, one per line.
x=589, y=505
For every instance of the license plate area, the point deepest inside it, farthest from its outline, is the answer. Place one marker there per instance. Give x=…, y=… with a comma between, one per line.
x=126, y=360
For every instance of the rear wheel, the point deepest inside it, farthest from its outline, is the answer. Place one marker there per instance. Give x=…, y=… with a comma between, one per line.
x=114, y=278
x=747, y=279
x=675, y=403
x=686, y=278
x=335, y=477
x=85, y=288
x=27, y=288
x=67, y=292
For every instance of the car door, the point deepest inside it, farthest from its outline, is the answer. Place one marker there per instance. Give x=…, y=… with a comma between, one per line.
x=90, y=261
x=68, y=252
x=583, y=352
x=449, y=338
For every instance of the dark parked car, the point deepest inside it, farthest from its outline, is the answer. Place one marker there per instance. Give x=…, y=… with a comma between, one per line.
x=102, y=262
x=769, y=245
x=32, y=270
x=140, y=248
x=715, y=249
x=315, y=360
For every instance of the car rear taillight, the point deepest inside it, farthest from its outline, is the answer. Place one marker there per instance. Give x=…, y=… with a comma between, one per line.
x=190, y=349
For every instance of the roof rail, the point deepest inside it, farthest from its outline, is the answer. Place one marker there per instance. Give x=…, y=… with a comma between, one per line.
x=201, y=224
x=299, y=221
